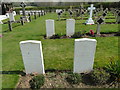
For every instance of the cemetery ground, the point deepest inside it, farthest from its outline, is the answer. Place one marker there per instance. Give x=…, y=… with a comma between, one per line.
x=57, y=53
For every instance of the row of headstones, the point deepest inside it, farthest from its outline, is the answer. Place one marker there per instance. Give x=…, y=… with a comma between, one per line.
x=81, y=12
x=50, y=30
x=71, y=12
x=23, y=19
x=32, y=12
x=89, y=21
x=104, y=14
x=84, y=51
x=116, y=13
x=9, y=15
x=70, y=27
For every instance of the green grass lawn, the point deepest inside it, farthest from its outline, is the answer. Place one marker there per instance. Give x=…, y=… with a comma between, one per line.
x=58, y=53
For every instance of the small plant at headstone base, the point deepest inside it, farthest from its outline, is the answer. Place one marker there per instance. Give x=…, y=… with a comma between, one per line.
x=96, y=77
x=73, y=78
x=44, y=36
x=117, y=34
x=114, y=69
x=37, y=81
x=100, y=76
x=56, y=36
x=77, y=35
x=84, y=32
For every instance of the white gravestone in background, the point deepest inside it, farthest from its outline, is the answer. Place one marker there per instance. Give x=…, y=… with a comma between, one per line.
x=50, y=28
x=90, y=21
x=11, y=17
x=0, y=9
x=1, y=22
x=70, y=27
x=84, y=52
x=32, y=56
x=14, y=13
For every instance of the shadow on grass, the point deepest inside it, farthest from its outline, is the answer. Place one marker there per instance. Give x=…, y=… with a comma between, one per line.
x=12, y=28
x=17, y=25
x=55, y=70
x=13, y=72
x=115, y=33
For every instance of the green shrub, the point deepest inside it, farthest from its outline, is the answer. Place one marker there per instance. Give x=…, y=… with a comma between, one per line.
x=73, y=78
x=100, y=76
x=96, y=77
x=56, y=36
x=37, y=81
x=77, y=35
x=114, y=68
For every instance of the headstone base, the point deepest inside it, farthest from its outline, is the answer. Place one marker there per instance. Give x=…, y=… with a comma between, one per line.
x=90, y=21
x=97, y=35
x=25, y=19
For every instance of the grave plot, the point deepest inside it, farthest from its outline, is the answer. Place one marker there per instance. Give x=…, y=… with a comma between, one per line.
x=61, y=57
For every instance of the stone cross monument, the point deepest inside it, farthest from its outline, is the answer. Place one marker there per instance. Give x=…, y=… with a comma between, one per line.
x=90, y=21
x=23, y=5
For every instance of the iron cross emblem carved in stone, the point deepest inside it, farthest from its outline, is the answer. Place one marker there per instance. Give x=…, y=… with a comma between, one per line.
x=23, y=4
x=100, y=21
x=118, y=13
x=104, y=14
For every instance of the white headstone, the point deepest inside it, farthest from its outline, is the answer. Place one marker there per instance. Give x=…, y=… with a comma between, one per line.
x=84, y=52
x=50, y=28
x=20, y=12
x=1, y=22
x=70, y=27
x=90, y=21
x=32, y=56
x=58, y=10
x=14, y=13
x=0, y=9
x=11, y=17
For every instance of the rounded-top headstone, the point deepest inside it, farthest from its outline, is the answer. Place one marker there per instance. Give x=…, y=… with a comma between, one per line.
x=84, y=52
x=85, y=39
x=50, y=28
x=32, y=56
x=70, y=27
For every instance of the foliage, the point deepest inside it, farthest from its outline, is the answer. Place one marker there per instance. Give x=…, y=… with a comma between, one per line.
x=77, y=35
x=74, y=78
x=84, y=32
x=37, y=81
x=114, y=68
x=56, y=36
x=100, y=76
